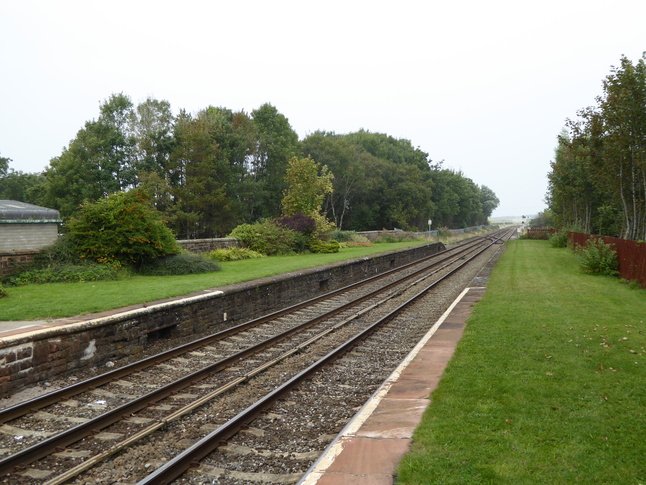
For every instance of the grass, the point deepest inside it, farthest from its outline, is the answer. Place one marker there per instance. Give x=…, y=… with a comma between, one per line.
x=59, y=300
x=546, y=385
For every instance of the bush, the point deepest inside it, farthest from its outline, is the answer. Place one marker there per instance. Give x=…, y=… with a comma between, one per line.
x=598, y=257
x=3, y=293
x=233, y=254
x=395, y=238
x=66, y=273
x=536, y=235
x=266, y=238
x=180, y=264
x=61, y=263
x=318, y=246
x=63, y=251
x=121, y=230
x=558, y=239
x=298, y=223
x=349, y=236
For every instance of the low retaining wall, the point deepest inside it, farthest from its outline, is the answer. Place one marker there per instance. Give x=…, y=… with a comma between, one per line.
x=11, y=259
x=206, y=245
x=67, y=345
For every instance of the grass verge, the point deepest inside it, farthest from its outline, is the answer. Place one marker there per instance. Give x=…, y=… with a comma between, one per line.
x=546, y=385
x=59, y=300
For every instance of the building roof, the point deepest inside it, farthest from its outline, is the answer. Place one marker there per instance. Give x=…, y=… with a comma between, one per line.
x=14, y=211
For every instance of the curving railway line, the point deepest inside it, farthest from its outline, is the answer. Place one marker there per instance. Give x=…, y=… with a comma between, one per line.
x=256, y=403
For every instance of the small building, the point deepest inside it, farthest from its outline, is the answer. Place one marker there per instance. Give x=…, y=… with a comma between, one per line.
x=25, y=229
x=26, y=226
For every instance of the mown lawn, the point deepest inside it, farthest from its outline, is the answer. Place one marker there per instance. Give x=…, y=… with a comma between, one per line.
x=58, y=300
x=547, y=384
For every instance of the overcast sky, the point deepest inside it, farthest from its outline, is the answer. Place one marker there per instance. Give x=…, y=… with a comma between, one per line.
x=484, y=86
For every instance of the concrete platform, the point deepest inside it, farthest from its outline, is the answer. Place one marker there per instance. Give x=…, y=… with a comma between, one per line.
x=368, y=450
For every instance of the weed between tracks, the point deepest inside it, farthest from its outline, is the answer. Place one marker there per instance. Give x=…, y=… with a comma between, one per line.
x=547, y=384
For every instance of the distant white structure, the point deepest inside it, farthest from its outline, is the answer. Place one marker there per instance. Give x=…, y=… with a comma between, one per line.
x=26, y=226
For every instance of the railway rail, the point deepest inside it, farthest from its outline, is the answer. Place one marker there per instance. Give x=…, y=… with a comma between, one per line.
x=155, y=414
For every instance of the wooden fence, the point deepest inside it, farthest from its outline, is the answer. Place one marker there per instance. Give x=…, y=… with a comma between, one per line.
x=631, y=254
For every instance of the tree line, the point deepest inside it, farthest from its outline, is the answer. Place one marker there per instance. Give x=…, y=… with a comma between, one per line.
x=211, y=171
x=597, y=182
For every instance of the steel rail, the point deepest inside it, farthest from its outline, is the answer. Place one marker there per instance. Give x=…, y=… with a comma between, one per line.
x=76, y=433
x=53, y=397
x=192, y=456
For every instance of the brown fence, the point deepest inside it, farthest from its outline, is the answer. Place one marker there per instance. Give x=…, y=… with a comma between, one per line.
x=631, y=254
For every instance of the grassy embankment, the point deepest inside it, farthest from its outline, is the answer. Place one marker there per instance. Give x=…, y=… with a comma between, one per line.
x=547, y=384
x=58, y=300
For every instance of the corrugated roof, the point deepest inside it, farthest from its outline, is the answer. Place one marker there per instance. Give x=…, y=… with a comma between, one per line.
x=11, y=210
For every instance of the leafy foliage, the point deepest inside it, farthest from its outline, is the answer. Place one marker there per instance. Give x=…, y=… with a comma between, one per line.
x=66, y=273
x=233, y=254
x=123, y=229
x=599, y=258
x=307, y=185
x=208, y=172
x=61, y=263
x=319, y=246
x=266, y=238
x=558, y=240
x=180, y=264
x=298, y=222
x=597, y=178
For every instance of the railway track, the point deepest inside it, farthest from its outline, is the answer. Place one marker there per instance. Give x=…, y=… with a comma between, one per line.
x=130, y=424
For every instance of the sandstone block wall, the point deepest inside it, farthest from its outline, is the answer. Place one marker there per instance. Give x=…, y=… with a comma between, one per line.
x=68, y=345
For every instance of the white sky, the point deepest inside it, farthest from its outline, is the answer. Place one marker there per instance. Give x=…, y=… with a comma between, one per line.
x=485, y=86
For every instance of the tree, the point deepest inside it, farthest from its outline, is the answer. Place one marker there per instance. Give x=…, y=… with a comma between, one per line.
x=123, y=229
x=598, y=177
x=152, y=126
x=276, y=143
x=623, y=113
x=489, y=202
x=306, y=190
x=4, y=166
x=208, y=173
x=98, y=162
x=379, y=181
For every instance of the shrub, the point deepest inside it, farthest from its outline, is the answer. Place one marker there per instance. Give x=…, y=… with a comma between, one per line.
x=353, y=244
x=180, y=264
x=234, y=254
x=298, y=223
x=598, y=257
x=348, y=236
x=395, y=237
x=266, y=238
x=536, y=235
x=558, y=240
x=3, y=293
x=66, y=273
x=63, y=251
x=122, y=229
x=318, y=246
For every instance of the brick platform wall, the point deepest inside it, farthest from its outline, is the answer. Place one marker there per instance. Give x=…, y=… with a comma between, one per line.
x=67, y=345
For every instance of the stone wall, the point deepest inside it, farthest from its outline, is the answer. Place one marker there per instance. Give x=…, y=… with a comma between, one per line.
x=64, y=346
x=10, y=259
x=206, y=245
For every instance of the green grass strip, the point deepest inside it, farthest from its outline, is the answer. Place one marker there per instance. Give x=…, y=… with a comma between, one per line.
x=59, y=300
x=547, y=384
